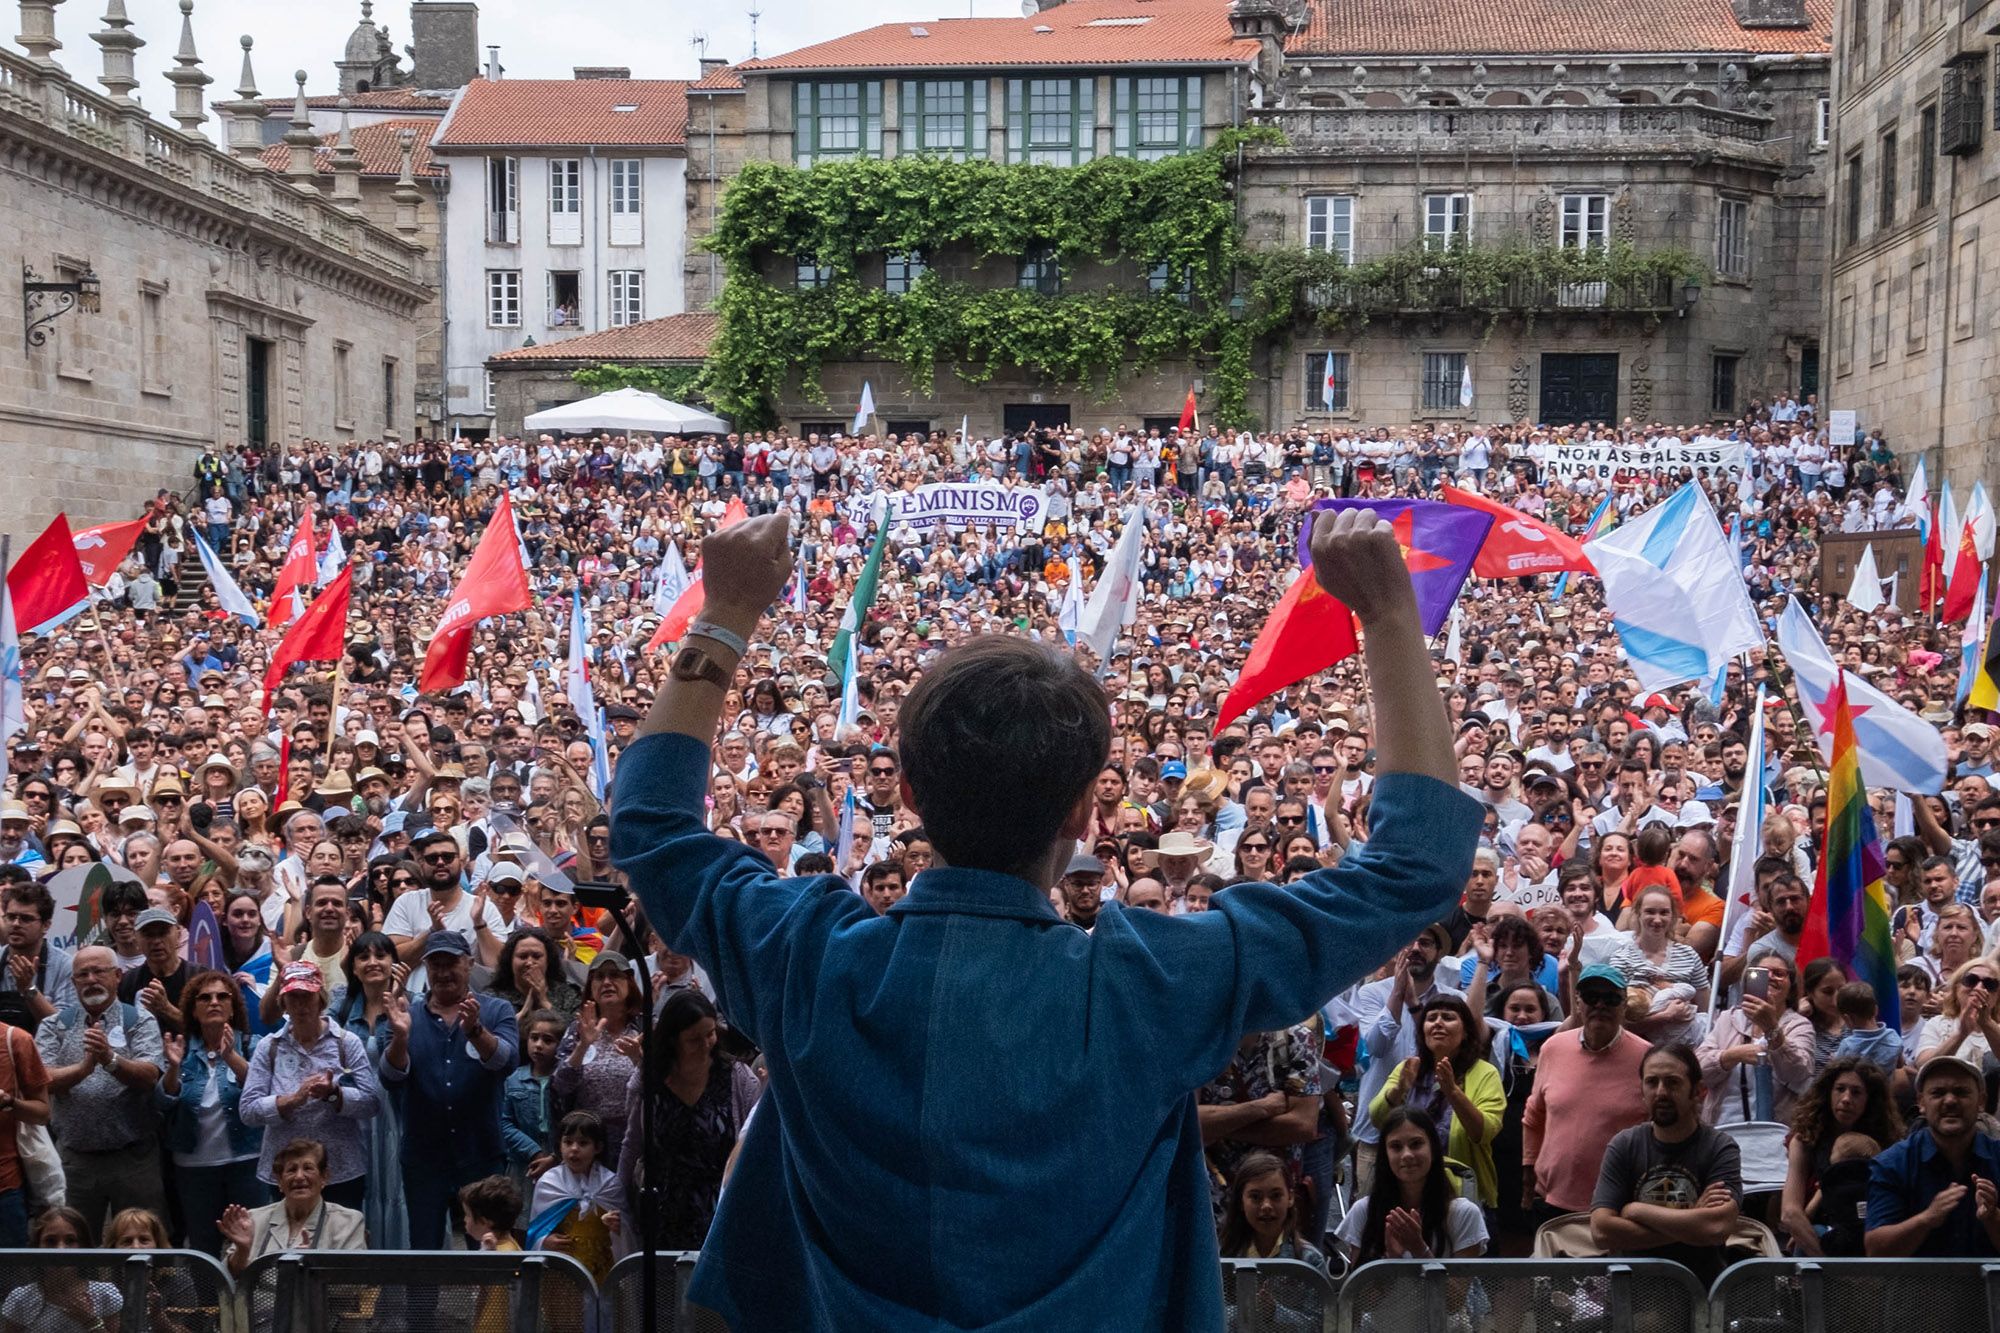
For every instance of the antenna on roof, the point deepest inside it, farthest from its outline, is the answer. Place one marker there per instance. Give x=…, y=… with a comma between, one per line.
x=699, y=41
x=755, y=14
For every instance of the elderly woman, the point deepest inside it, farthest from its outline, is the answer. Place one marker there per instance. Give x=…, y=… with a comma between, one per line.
x=1757, y=1059
x=595, y=1060
x=312, y=1080
x=304, y=1218
x=1967, y=1025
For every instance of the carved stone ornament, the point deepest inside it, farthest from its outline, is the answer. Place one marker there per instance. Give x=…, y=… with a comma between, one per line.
x=1518, y=376
x=1542, y=220
x=1624, y=222
x=1641, y=397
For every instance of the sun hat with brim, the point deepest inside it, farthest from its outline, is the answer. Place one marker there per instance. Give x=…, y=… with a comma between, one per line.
x=135, y=814
x=1182, y=843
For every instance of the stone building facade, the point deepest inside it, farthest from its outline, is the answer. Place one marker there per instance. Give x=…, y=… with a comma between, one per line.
x=232, y=305
x=1691, y=127
x=1913, y=235
x=534, y=379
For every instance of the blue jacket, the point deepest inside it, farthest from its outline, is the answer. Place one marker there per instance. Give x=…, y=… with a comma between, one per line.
x=524, y=1116
x=450, y=1097
x=997, y=1099
x=183, y=1113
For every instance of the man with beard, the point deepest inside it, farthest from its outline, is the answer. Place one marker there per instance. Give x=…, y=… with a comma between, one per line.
x=1775, y=921
x=1735, y=763
x=103, y=1058
x=1386, y=1012
x=1586, y=1091
x=1936, y=1194
x=1670, y=1188
x=1694, y=864
x=1082, y=889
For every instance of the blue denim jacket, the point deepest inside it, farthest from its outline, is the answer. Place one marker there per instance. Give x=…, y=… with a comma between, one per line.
x=183, y=1112
x=524, y=1116
x=981, y=1116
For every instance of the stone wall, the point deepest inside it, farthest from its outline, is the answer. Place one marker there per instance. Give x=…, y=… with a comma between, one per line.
x=1913, y=347
x=201, y=259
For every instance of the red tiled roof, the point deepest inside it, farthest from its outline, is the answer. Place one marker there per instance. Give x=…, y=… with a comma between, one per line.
x=1079, y=33
x=388, y=99
x=724, y=80
x=1394, y=28
x=674, y=338
x=530, y=113
x=380, y=146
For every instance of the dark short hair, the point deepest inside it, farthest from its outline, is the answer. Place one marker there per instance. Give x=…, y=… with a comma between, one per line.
x=494, y=1199
x=32, y=895
x=583, y=1125
x=1001, y=714
x=429, y=836
x=1681, y=1051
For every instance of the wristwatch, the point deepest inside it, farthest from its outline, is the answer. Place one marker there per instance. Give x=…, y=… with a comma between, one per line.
x=692, y=663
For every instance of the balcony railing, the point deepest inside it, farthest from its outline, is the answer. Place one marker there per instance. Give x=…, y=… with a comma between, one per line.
x=1434, y=128
x=1443, y=292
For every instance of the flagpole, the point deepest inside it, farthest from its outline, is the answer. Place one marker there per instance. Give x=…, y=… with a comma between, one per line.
x=333, y=713
x=6, y=562
x=104, y=642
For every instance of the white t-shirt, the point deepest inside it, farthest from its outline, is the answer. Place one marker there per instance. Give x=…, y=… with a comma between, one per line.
x=26, y=1308
x=410, y=916
x=1464, y=1226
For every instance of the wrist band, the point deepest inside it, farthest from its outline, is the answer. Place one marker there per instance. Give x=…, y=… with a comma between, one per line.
x=729, y=639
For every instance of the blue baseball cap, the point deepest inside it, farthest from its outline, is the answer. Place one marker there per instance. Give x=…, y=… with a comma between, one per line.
x=1606, y=973
x=1173, y=769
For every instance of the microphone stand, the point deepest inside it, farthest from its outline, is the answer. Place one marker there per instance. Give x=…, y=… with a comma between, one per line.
x=624, y=909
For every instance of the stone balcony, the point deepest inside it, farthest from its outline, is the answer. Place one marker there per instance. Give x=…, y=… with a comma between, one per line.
x=1444, y=292
x=1622, y=130
x=49, y=100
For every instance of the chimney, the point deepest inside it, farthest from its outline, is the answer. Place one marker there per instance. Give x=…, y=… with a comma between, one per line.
x=1770, y=13
x=583, y=72
x=444, y=43
x=713, y=65
x=494, y=69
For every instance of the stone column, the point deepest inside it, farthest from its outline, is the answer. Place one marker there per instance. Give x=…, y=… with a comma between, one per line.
x=188, y=78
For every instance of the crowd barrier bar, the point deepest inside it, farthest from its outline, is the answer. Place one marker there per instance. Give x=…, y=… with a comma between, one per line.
x=1583, y=1295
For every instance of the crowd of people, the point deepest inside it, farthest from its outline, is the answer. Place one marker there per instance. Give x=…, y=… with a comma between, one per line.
x=420, y=1038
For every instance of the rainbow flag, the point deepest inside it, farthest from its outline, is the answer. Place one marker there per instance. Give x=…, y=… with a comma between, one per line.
x=1600, y=523
x=1849, y=916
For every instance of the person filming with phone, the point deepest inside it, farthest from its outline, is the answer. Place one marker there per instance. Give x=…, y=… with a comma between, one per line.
x=1757, y=1060
x=1067, y=1192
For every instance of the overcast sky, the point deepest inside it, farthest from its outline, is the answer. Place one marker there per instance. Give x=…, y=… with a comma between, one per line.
x=536, y=40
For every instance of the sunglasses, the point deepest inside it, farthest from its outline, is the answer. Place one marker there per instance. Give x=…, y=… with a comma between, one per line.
x=1984, y=983
x=505, y=890
x=402, y=882
x=1253, y=846
x=441, y=858
x=881, y=772
x=1290, y=819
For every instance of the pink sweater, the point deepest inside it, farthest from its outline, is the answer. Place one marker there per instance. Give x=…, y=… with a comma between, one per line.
x=1585, y=1098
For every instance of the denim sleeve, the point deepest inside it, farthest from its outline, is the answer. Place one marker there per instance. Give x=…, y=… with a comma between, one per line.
x=1264, y=957
x=713, y=899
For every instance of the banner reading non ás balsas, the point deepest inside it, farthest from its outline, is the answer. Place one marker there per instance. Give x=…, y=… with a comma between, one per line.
x=952, y=504
x=1663, y=457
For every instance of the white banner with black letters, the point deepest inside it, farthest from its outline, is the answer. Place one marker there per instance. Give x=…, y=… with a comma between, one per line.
x=1607, y=460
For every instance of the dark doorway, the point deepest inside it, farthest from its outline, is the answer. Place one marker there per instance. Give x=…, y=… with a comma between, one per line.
x=1160, y=424
x=1017, y=417
x=900, y=426
x=1808, y=369
x=1578, y=387
x=257, y=391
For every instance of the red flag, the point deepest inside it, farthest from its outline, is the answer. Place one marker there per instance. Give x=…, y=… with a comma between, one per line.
x=1517, y=544
x=1187, y=412
x=284, y=790
x=688, y=605
x=295, y=576
x=1930, y=579
x=1308, y=632
x=46, y=582
x=320, y=635
x=495, y=582
x=1964, y=576
x=100, y=550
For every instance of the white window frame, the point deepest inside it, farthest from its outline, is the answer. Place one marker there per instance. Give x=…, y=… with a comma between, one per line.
x=1447, y=219
x=627, y=305
x=503, y=200
x=1585, y=222
x=488, y=395
x=627, y=179
x=503, y=298
x=1330, y=224
x=1823, y=122
x=1732, y=237
x=565, y=201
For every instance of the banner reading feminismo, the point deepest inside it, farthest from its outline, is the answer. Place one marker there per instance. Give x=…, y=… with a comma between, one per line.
x=1664, y=457
x=953, y=504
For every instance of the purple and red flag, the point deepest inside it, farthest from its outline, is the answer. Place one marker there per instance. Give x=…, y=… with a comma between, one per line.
x=1309, y=630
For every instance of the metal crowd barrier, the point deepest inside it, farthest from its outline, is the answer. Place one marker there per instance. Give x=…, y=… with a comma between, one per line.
x=1547, y=1295
x=455, y=1292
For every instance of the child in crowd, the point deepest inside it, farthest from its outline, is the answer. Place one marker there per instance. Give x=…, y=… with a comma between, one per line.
x=579, y=1202
x=491, y=1208
x=1913, y=988
x=1867, y=1036
x=1654, y=843
x=524, y=1114
x=1840, y=1209
x=1260, y=1217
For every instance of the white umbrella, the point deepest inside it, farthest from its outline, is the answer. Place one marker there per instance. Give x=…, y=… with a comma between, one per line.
x=627, y=411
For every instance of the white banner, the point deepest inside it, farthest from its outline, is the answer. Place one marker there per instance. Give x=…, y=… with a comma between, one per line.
x=953, y=504
x=1605, y=461
x=1840, y=427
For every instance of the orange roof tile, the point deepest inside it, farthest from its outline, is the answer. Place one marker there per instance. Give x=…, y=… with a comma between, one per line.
x=674, y=338
x=387, y=99
x=1396, y=28
x=529, y=113
x=1079, y=33
x=380, y=146
x=724, y=80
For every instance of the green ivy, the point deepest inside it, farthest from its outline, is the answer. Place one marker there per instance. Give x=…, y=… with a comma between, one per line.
x=680, y=384
x=1178, y=211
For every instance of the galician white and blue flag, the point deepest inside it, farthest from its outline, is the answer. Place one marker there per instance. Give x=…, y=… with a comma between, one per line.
x=227, y=595
x=583, y=698
x=1740, y=899
x=13, y=690
x=866, y=409
x=1970, y=643
x=1071, y=615
x=332, y=561
x=1898, y=748
x=671, y=580
x=1676, y=593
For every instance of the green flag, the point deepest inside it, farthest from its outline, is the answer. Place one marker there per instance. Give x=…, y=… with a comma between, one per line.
x=860, y=602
